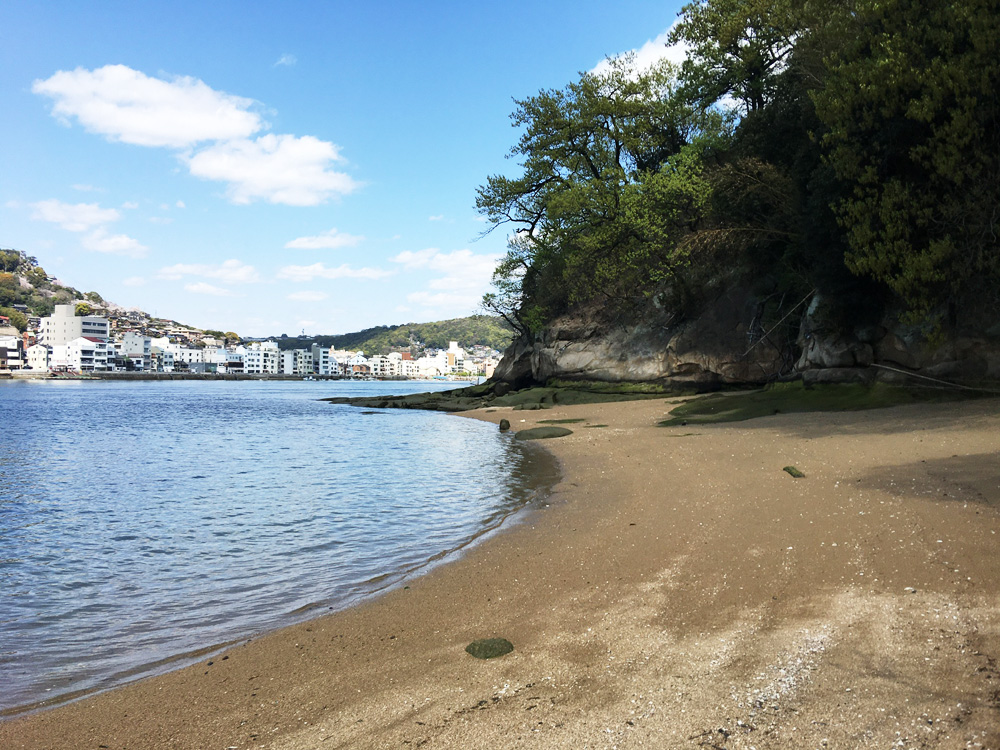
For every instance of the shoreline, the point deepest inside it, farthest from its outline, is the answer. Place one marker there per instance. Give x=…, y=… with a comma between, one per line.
x=680, y=587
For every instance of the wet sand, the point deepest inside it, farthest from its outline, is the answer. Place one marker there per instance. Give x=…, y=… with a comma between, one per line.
x=679, y=590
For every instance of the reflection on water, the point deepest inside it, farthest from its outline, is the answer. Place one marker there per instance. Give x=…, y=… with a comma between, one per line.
x=140, y=522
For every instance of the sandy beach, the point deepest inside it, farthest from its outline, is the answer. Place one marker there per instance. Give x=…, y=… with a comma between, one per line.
x=678, y=590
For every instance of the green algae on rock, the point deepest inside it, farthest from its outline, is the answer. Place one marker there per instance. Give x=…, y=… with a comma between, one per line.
x=489, y=648
x=542, y=433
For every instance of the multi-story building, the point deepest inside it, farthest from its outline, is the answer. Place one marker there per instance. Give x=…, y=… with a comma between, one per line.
x=138, y=349
x=296, y=362
x=64, y=325
x=260, y=358
x=38, y=357
x=83, y=354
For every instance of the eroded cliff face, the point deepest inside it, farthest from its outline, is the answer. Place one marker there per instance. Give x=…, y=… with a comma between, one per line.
x=721, y=346
x=727, y=344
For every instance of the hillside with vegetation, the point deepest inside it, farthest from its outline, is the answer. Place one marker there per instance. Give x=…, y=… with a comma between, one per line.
x=829, y=170
x=477, y=330
x=27, y=290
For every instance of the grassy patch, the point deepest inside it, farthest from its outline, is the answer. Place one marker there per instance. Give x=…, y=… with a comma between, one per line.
x=787, y=398
x=794, y=472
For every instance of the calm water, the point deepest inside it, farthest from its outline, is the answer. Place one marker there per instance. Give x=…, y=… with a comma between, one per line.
x=142, y=522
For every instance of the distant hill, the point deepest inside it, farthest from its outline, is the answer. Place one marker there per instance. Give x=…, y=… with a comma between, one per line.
x=27, y=290
x=482, y=330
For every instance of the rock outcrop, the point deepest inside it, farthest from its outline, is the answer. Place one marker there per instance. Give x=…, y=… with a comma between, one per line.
x=727, y=345
x=722, y=346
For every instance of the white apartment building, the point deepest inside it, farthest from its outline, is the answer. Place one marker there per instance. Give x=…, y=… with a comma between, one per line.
x=64, y=326
x=38, y=357
x=137, y=348
x=82, y=354
x=296, y=362
x=260, y=358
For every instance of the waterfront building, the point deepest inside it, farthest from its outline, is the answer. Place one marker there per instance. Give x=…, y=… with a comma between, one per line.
x=161, y=360
x=11, y=352
x=296, y=362
x=138, y=349
x=64, y=325
x=38, y=357
x=261, y=357
x=83, y=354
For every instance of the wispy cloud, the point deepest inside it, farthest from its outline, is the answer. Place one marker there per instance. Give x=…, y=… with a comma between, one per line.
x=326, y=241
x=650, y=53
x=215, y=134
x=320, y=271
x=90, y=218
x=463, y=277
x=230, y=272
x=73, y=217
x=436, y=217
x=286, y=60
x=101, y=241
x=276, y=168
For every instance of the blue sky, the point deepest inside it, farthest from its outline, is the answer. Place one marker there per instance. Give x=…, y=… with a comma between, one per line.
x=271, y=168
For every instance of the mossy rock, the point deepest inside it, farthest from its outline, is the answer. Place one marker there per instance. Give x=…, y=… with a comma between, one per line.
x=489, y=648
x=543, y=433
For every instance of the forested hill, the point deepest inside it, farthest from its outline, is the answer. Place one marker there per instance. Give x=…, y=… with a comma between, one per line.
x=476, y=330
x=841, y=157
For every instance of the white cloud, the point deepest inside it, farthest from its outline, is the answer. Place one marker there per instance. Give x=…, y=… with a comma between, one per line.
x=115, y=244
x=276, y=168
x=203, y=288
x=78, y=217
x=230, y=272
x=462, y=268
x=436, y=217
x=308, y=296
x=286, y=60
x=651, y=52
x=134, y=281
x=320, y=271
x=328, y=240
x=180, y=204
x=130, y=205
x=465, y=277
x=126, y=105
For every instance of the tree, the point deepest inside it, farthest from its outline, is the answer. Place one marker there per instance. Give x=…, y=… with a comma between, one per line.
x=737, y=48
x=17, y=319
x=914, y=133
x=580, y=217
x=82, y=309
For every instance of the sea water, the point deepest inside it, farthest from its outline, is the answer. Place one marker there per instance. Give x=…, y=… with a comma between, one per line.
x=144, y=523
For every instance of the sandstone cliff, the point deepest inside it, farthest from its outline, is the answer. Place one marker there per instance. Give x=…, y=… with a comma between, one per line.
x=734, y=341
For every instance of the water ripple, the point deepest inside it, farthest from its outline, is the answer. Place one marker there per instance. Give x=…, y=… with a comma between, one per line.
x=235, y=508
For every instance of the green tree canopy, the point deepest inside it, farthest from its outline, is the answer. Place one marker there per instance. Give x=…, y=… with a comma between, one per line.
x=609, y=182
x=913, y=124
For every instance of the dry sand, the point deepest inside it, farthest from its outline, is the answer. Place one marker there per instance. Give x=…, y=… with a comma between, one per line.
x=679, y=591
